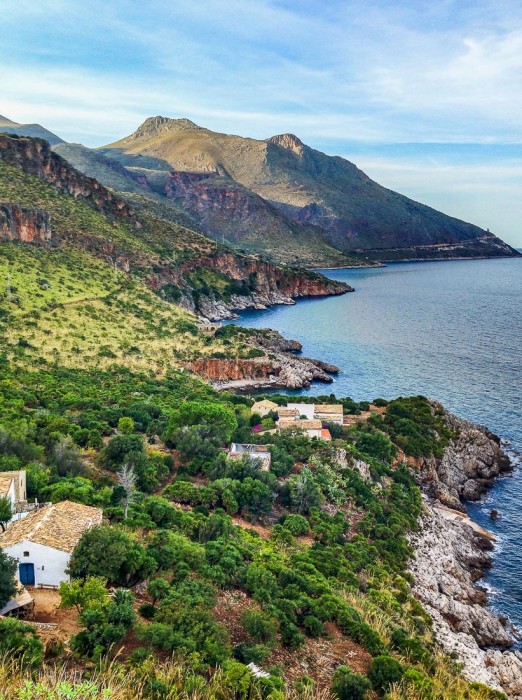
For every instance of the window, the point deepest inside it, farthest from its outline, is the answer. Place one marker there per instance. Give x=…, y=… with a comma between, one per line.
x=43, y=568
x=26, y=554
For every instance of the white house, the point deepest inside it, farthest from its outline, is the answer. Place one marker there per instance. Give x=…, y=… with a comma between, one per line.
x=329, y=413
x=13, y=486
x=261, y=452
x=44, y=541
x=304, y=409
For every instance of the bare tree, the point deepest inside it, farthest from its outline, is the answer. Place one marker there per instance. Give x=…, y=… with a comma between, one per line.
x=127, y=480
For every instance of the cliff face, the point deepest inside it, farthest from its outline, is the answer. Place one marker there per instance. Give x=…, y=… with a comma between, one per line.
x=23, y=224
x=451, y=555
x=35, y=157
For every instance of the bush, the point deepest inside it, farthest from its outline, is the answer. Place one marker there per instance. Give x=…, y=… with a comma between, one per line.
x=260, y=626
x=20, y=642
x=385, y=670
x=296, y=524
x=347, y=685
x=313, y=626
x=251, y=653
x=147, y=610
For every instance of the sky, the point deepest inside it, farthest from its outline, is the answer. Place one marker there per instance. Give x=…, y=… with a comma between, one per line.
x=425, y=97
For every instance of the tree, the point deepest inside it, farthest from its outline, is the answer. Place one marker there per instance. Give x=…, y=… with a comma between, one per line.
x=68, y=459
x=90, y=593
x=347, y=685
x=304, y=492
x=6, y=512
x=127, y=480
x=8, y=568
x=111, y=554
x=213, y=419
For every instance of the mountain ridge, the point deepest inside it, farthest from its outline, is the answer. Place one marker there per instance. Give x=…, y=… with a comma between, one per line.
x=329, y=195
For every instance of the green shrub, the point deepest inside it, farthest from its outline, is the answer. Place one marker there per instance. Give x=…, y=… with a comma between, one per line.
x=20, y=642
x=347, y=685
x=385, y=670
x=296, y=524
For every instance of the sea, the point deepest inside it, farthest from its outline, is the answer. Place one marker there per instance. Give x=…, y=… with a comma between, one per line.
x=451, y=331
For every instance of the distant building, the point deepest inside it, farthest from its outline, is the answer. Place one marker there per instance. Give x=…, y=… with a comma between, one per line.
x=263, y=408
x=13, y=486
x=208, y=328
x=45, y=539
x=328, y=413
x=261, y=452
x=304, y=409
x=286, y=413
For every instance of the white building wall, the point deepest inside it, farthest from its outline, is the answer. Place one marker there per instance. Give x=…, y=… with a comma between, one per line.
x=49, y=563
x=305, y=409
x=11, y=495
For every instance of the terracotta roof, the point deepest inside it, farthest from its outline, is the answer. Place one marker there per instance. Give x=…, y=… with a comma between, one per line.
x=325, y=434
x=264, y=404
x=284, y=412
x=300, y=424
x=59, y=525
x=328, y=408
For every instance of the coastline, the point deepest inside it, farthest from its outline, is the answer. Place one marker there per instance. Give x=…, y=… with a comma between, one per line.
x=451, y=556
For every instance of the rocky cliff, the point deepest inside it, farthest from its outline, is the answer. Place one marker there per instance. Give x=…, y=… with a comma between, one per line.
x=35, y=157
x=471, y=462
x=24, y=224
x=451, y=556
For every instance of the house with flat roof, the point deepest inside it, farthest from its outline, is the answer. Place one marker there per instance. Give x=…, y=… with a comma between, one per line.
x=329, y=413
x=304, y=409
x=43, y=542
x=260, y=452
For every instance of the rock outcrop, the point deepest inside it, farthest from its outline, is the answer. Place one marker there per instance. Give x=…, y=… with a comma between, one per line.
x=279, y=368
x=447, y=558
x=24, y=224
x=451, y=556
x=471, y=462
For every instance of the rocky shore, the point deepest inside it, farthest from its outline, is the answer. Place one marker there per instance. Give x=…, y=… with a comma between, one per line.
x=451, y=555
x=280, y=367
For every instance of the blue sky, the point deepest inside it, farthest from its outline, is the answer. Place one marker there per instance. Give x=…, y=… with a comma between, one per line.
x=426, y=97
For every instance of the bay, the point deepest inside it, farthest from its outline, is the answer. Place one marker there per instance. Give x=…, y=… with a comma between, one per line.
x=451, y=331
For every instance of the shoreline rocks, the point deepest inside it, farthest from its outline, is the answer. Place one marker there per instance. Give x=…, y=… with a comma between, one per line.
x=451, y=556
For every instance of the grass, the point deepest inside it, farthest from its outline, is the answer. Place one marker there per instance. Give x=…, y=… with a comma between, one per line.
x=71, y=309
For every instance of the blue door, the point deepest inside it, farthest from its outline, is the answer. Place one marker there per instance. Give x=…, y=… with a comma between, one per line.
x=27, y=574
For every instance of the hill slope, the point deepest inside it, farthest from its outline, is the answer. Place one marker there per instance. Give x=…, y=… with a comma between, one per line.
x=92, y=256
x=310, y=190
x=33, y=130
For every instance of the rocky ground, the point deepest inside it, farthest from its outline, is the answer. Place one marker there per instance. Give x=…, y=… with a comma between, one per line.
x=451, y=556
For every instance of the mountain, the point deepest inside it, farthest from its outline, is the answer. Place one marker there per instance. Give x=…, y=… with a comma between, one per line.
x=34, y=130
x=278, y=192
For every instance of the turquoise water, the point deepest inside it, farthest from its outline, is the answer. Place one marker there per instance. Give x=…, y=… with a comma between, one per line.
x=448, y=330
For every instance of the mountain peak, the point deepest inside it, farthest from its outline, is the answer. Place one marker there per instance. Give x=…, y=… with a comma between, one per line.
x=153, y=126
x=288, y=141
x=4, y=121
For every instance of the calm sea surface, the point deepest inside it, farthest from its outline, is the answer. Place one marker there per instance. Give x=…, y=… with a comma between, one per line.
x=448, y=330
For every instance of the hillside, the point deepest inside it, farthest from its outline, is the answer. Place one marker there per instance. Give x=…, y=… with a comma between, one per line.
x=209, y=175
x=86, y=255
